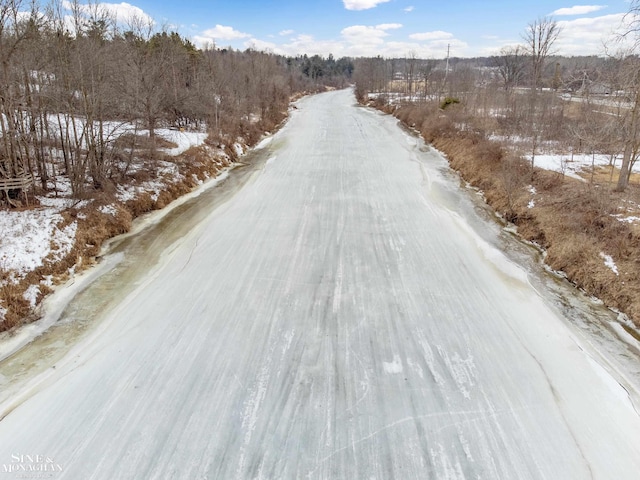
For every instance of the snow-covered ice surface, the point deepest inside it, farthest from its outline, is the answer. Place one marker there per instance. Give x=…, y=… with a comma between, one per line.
x=339, y=317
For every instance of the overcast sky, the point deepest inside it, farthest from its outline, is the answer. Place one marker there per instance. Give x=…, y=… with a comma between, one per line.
x=390, y=28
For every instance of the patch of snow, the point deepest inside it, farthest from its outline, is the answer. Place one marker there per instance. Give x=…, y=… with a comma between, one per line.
x=508, y=138
x=26, y=238
x=393, y=367
x=63, y=241
x=532, y=191
x=31, y=295
x=108, y=210
x=558, y=163
x=572, y=167
x=125, y=194
x=183, y=139
x=608, y=261
x=627, y=219
x=238, y=149
x=168, y=168
x=59, y=203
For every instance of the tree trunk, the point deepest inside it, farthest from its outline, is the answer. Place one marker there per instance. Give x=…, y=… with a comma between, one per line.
x=623, y=178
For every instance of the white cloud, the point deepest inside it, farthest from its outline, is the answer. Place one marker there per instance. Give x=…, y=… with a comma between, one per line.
x=591, y=36
x=430, y=36
x=286, y=33
x=582, y=36
x=307, y=44
x=409, y=9
x=362, y=4
x=364, y=35
x=389, y=26
x=360, y=34
x=578, y=10
x=260, y=45
x=222, y=32
x=122, y=13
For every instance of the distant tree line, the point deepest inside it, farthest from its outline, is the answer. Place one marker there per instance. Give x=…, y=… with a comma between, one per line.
x=326, y=70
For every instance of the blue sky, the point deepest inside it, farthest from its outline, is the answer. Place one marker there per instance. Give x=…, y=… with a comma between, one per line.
x=379, y=27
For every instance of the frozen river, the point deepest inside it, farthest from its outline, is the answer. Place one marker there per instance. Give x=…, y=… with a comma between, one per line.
x=345, y=315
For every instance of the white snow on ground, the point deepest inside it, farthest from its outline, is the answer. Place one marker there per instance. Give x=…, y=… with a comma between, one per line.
x=167, y=173
x=31, y=295
x=628, y=219
x=532, y=202
x=570, y=167
x=108, y=210
x=28, y=237
x=630, y=210
x=608, y=261
x=183, y=139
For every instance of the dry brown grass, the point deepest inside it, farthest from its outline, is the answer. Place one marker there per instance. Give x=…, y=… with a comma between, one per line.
x=142, y=142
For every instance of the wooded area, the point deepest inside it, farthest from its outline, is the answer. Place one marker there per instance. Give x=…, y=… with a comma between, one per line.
x=77, y=88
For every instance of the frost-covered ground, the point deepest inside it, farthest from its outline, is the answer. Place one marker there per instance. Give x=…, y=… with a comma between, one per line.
x=29, y=237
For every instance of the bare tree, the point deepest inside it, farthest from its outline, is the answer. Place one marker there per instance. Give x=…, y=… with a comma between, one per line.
x=410, y=69
x=540, y=36
x=629, y=79
x=511, y=65
x=629, y=120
